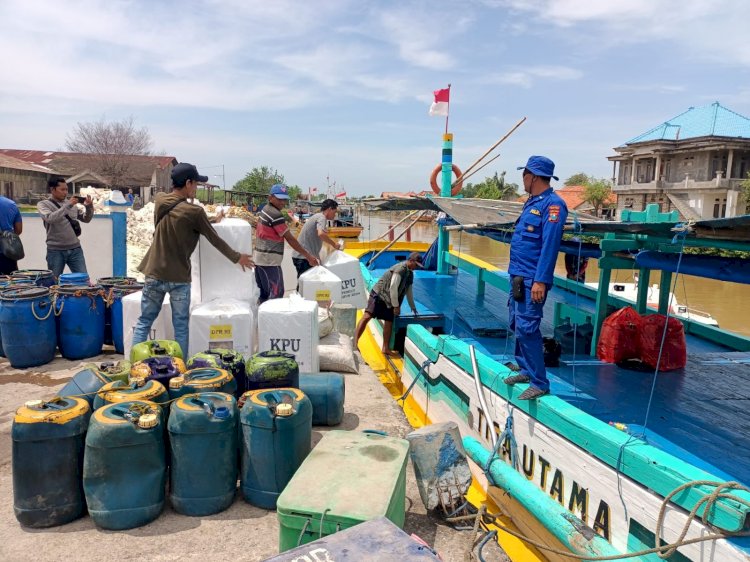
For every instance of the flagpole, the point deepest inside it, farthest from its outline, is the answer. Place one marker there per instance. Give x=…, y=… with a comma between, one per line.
x=449, y=109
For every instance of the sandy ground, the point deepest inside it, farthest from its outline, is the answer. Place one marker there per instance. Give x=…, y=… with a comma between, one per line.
x=242, y=532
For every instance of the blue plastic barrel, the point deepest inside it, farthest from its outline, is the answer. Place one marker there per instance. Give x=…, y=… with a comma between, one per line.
x=48, y=440
x=80, y=320
x=85, y=384
x=204, y=379
x=326, y=392
x=6, y=282
x=73, y=279
x=276, y=435
x=27, y=326
x=124, y=467
x=115, y=314
x=109, y=284
x=40, y=277
x=203, y=443
x=118, y=391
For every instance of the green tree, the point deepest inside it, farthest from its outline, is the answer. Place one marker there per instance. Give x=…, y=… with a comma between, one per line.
x=470, y=190
x=596, y=193
x=578, y=179
x=294, y=191
x=495, y=187
x=259, y=180
x=745, y=190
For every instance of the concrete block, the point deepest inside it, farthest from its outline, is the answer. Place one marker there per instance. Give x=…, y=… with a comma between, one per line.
x=440, y=463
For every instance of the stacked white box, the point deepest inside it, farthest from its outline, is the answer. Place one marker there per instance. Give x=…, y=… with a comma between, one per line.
x=225, y=323
x=161, y=329
x=213, y=275
x=319, y=284
x=291, y=325
x=353, y=289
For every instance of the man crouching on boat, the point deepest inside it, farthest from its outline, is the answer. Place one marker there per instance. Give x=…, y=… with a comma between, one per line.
x=388, y=294
x=533, y=253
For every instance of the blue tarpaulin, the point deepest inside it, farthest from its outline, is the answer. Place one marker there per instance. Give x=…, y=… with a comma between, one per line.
x=713, y=267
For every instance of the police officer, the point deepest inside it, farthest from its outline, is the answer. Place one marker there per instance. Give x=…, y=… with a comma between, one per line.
x=533, y=253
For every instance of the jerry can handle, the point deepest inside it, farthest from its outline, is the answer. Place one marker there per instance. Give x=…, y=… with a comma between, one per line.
x=375, y=432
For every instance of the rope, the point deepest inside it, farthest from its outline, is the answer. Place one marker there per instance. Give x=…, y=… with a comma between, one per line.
x=322, y=517
x=506, y=434
x=42, y=319
x=422, y=369
x=682, y=231
x=663, y=551
x=302, y=532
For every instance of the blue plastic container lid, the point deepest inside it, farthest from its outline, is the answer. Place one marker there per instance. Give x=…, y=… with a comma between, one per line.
x=222, y=412
x=74, y=279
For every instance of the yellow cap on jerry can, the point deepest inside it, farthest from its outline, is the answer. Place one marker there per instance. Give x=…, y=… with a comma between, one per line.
x=284, y=410
x=147, y=421
x=176, y=382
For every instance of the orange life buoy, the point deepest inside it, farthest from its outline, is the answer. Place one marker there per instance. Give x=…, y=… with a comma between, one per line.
x=455, y=190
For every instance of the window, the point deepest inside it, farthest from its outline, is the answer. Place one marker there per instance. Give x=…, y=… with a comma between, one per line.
x=717, y=208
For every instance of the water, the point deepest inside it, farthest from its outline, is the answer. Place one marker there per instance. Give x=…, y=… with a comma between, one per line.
x=726, y=302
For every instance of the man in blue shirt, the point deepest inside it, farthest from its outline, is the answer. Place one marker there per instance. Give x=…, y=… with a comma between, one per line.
x=10, y=221
x=533, y=253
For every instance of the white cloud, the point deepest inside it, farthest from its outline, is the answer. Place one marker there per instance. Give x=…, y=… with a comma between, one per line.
x=710, y=29
x=525, y=77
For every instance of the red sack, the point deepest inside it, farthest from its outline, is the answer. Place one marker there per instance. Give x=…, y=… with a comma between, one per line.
x=674, y=355
x=619, y=337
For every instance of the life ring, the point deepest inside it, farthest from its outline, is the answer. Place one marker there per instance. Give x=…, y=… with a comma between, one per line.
x=455, y=190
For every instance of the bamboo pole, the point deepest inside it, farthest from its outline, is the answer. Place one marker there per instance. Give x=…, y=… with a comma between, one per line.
x=467, y=176
x=493, y=147
x=395, y=225
x=396, y=239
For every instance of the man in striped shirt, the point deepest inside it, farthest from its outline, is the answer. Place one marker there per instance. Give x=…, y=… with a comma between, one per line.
x=270, y=233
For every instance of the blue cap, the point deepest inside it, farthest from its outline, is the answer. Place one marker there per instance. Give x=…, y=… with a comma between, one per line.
x=279, y=190
x=222, y=412
x=540, y=166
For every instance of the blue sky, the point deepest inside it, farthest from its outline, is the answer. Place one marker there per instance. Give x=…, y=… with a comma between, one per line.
x=342, y=88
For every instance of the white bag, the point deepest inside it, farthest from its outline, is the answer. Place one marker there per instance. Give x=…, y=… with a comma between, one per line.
x=347, y=268
x=337, y=354
x=325, y=322
x=291, y=325
x=226, y=324
x=161, y=329
x=319, y=284
x=218, y=278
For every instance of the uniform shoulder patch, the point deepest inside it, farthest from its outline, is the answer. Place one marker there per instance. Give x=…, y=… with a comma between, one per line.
x=554, y=213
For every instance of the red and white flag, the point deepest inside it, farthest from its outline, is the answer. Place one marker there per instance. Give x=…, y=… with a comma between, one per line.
x=440, y=105
x=342, y=194
x=314, y=189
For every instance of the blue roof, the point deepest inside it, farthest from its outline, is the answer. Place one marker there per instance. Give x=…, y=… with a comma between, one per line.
x=712, y=120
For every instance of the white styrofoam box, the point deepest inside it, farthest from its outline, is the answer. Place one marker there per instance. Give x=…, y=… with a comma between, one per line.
x=218, y=277
x=161, y=329
x=289, y=271
x=222, y=323
x=353, y=289
x=195, y=278
x=319, y=284
x=291, y=325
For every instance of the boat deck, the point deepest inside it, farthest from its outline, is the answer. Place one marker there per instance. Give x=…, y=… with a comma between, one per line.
x=697, y=413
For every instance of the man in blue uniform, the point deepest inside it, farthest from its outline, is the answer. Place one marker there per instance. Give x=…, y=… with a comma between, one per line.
x=533, y=253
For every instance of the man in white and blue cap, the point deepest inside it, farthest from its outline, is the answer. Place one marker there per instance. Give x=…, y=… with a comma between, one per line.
x=270, y=234
x=533, y=253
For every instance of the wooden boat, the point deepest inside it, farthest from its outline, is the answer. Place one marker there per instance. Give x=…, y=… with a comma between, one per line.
x=590, y=446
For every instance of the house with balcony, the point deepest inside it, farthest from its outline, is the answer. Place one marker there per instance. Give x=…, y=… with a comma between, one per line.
x=693, y=163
